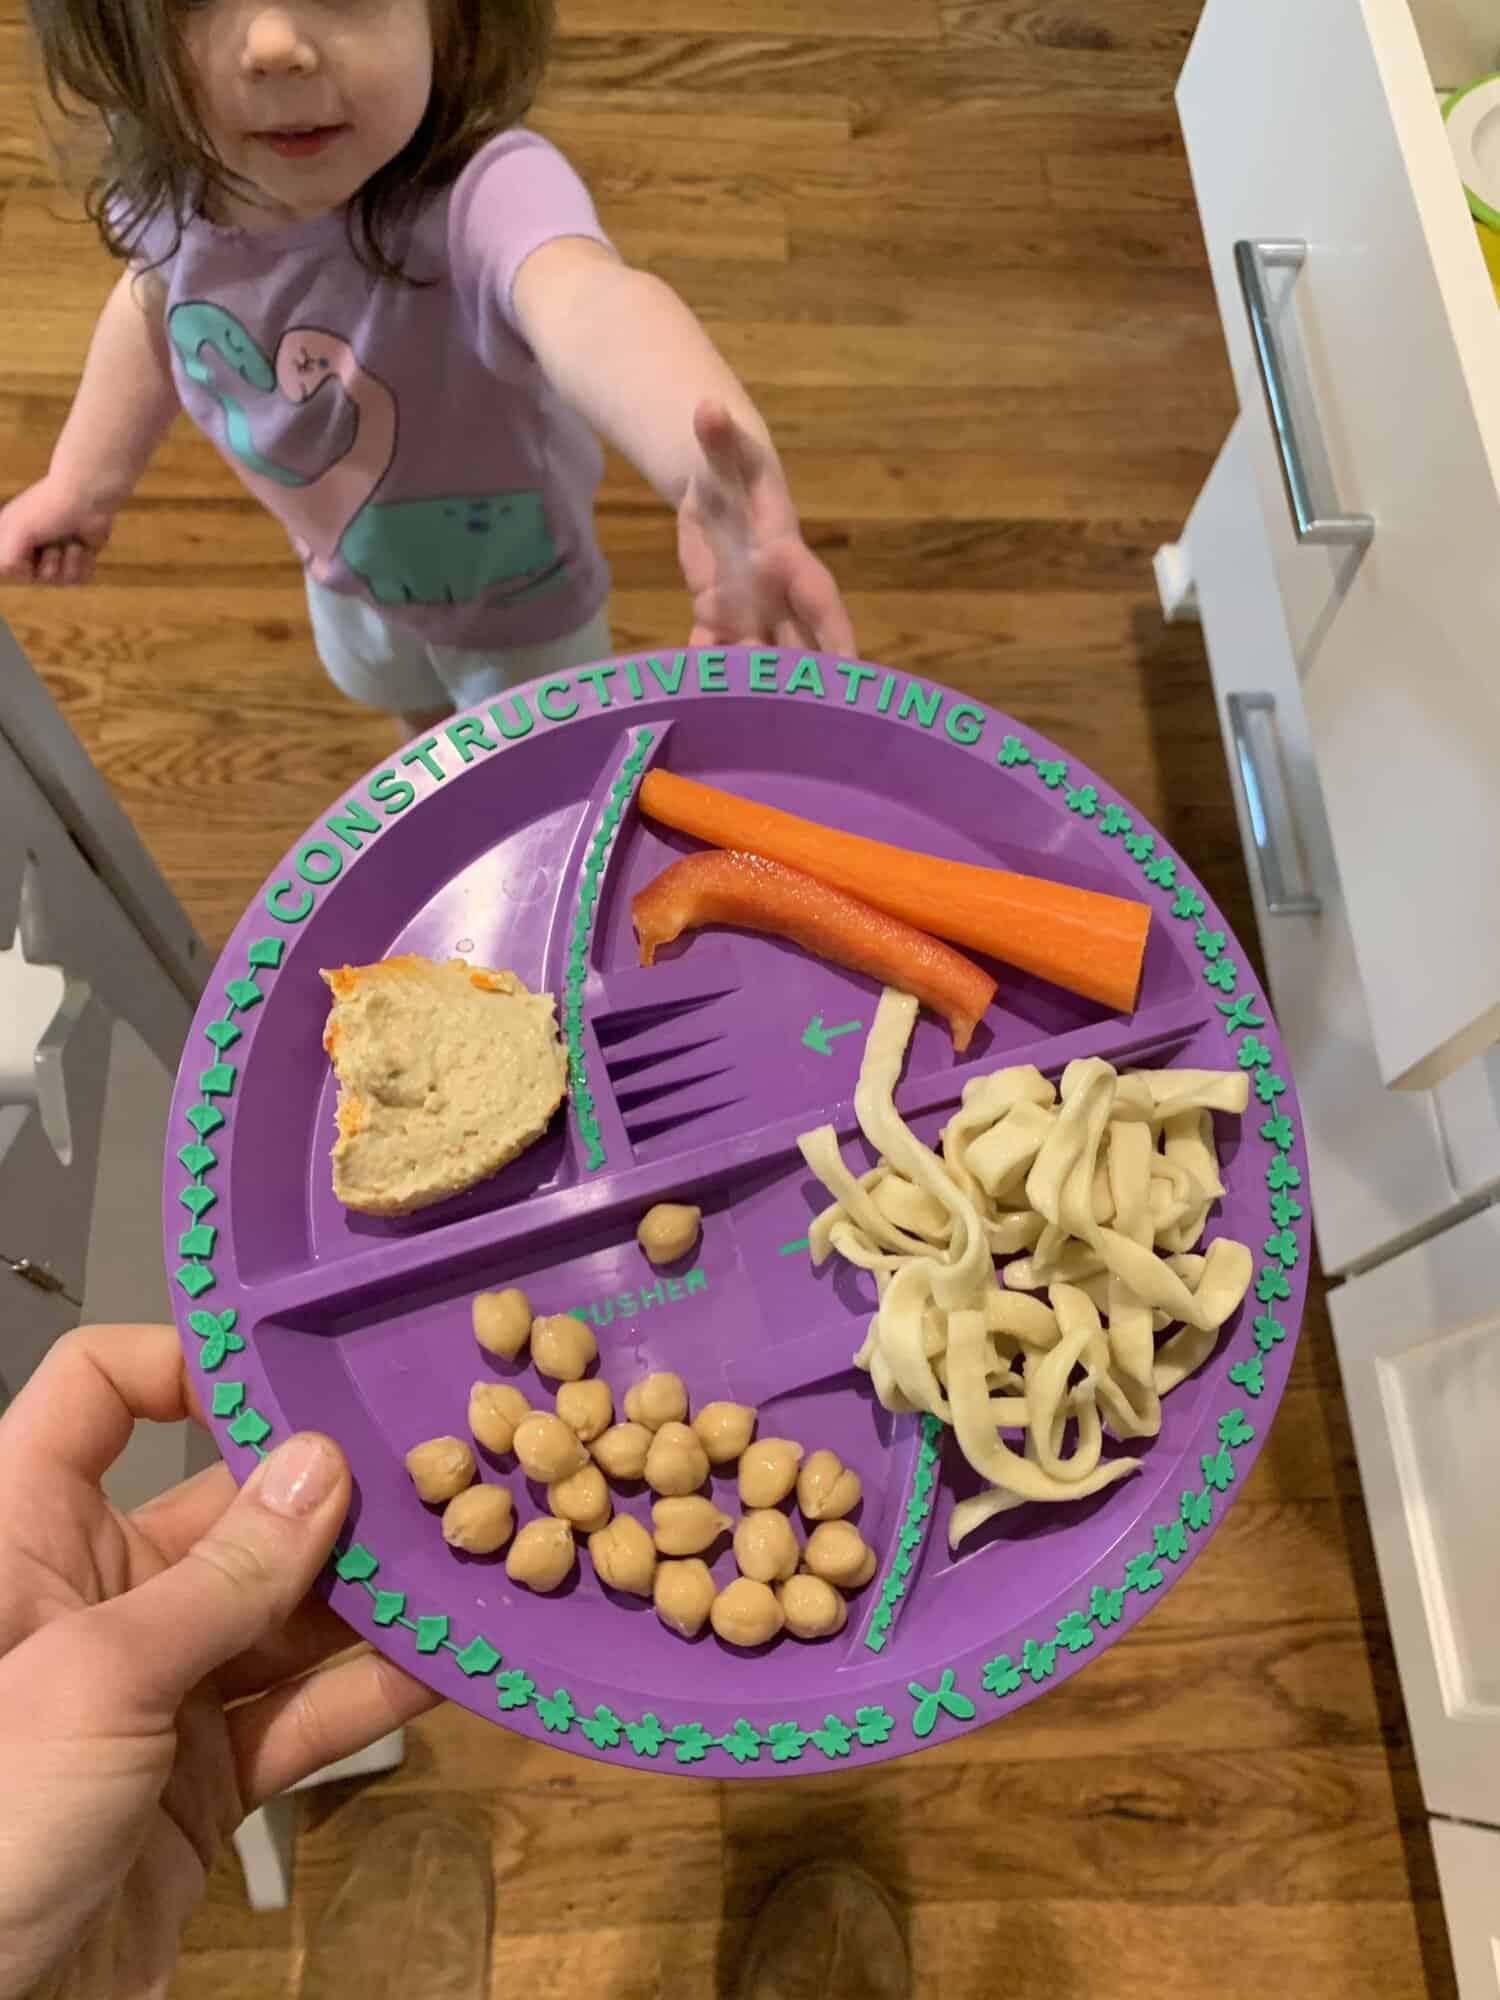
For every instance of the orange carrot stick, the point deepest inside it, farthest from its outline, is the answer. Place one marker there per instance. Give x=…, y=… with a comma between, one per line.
x=1090, y=943
x=759, y=895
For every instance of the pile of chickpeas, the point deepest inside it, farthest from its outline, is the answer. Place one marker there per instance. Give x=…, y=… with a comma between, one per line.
x=575, y=1449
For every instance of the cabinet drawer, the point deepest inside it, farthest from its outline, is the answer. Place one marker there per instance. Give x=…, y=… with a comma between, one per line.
x=1380, y=1166
x=1320, y=127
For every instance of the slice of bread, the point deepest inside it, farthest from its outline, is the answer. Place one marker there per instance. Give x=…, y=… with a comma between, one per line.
x=446, y=1072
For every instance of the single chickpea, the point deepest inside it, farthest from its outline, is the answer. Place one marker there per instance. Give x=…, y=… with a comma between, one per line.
x=495, y=1408
x=684, y=1594
x=668, y=1231
x=724, y=1430
x=562, y=1347
x=768, y=1471
x=502, y=1322
x=624, y=1556
x=582, y=1499
x=746, y=1613
x=676, y=1462
x=542, y=1555
x=659, y=1399
x=836, y=1551
x=622, y=1449
x=587, y=1408
x=826, y=1489
x=765, y=1546
x=478, y=1520
x=547, y=1449
x=813, y=1608
x=687, y=1526
x=440, y=1468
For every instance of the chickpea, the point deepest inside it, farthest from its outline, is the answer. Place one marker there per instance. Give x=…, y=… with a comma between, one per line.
x=622, y=1449
x=813, y=1608
x=724, y=1430
x=746, y=1613
x=587, y=1408
x=582, y=1499
x=660, y=1399
x=495, y=1408
x=684, y=1595
x=765, y=1546
x=478, y=1520
x=542, y=1555
x=768, y=1471
x=440, y=1468
x=676, y=1462
x=562, y=1347
x=836, y=1551
x=687, y=1526
x=624, y=1556
x=547, y=1449
x=826, y=1489
x=668, y=1231
x=502, y=1322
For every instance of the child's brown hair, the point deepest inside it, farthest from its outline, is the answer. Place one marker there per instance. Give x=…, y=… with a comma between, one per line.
x=122, y=59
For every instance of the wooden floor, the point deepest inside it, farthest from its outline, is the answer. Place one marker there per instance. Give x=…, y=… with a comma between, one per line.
x=951, y=246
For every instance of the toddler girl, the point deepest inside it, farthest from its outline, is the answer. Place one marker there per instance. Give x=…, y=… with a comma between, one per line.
x=394, y=311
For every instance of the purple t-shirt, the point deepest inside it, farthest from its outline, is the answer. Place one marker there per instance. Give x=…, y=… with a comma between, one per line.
x=405, y=436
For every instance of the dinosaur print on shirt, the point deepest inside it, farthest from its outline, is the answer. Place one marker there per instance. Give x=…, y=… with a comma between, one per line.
x=443, y=549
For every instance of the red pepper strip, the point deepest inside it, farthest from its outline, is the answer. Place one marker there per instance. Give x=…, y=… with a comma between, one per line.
x=720, y=886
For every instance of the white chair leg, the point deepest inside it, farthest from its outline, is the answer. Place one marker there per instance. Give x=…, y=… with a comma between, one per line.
x=265, y=1841
x=1175, y=585
x=264, y=1844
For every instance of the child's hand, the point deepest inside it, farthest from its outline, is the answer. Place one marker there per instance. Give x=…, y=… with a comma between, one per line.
x=48, y=535
x=749, y=572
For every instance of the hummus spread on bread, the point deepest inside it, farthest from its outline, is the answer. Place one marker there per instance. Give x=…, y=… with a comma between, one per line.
x=446, y=1072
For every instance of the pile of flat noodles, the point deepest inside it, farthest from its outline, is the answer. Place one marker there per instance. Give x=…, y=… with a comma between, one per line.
x=1095, y=1193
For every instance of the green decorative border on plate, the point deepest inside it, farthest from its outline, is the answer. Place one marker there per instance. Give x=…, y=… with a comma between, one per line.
x=688, y=1742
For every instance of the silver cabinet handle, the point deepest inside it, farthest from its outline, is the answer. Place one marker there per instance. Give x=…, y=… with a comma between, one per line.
x=1278, y=853
x=1252, y=260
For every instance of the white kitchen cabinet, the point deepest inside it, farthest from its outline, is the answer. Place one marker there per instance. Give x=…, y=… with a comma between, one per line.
x=1419, y=1346
x=1468, y=1865
x=1314, y=132
x=1342, y=560
x=1383, y=1166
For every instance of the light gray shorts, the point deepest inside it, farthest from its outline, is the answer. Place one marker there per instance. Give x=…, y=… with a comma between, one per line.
x=373, y=660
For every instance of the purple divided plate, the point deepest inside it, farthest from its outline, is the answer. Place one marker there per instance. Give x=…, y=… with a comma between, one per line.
x=510, y=838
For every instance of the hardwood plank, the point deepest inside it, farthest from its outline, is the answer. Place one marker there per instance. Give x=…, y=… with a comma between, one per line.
x=582, y=1845
x=904, y=20
x=1117, y=183
x=1161, y=26
x=865, y=69
x=258, y=1972
x=1308, y=1826
x=1235, y=1951
x=1008, y=354
x=992, y=242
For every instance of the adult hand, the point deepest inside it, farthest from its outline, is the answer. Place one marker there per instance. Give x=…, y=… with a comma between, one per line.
x=749, y=572
x=122, y=1640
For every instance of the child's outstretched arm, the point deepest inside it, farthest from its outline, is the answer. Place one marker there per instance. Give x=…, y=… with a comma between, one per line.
x=52, y=532
x=625, y=352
